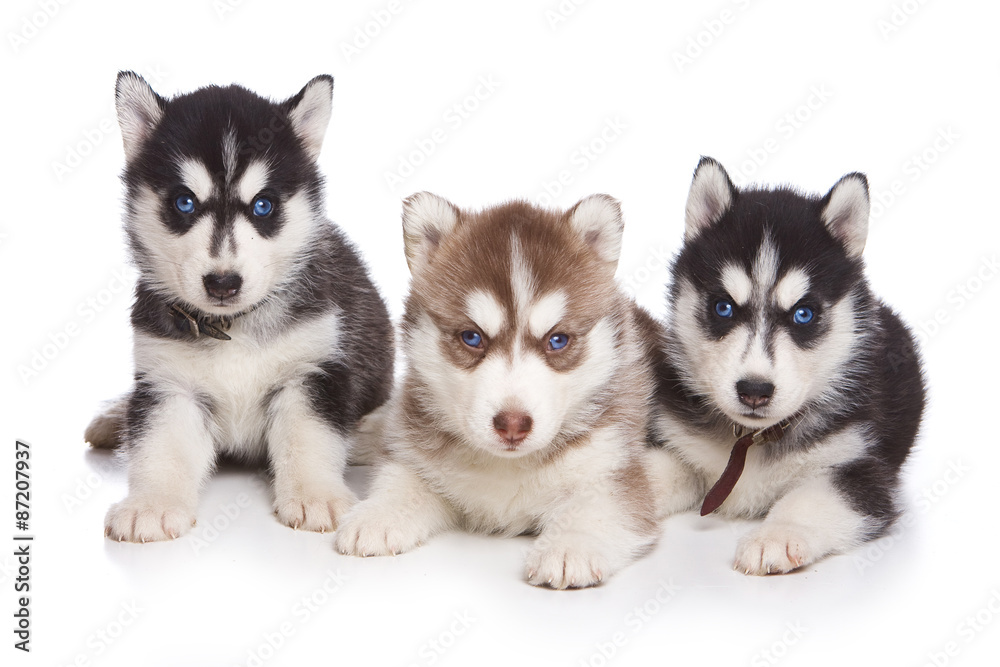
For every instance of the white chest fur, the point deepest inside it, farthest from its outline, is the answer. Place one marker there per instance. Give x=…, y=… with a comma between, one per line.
x=234, y=378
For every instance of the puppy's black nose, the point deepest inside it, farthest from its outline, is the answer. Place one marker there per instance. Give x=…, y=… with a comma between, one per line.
x=222, y=285
x=753, y=393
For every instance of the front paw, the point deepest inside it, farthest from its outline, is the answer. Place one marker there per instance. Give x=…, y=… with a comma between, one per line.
x=566, y=565
x=378, y=530
x=774, y=549
x=143, y=520
x=319, y=513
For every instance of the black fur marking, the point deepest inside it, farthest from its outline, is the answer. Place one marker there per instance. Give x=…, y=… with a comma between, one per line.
x=141, y=403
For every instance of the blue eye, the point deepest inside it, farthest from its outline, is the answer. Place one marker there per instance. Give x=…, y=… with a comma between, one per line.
x=184, y=204
x=558, y=341
x=803, y=315
x=723, y=308
x=262, y=207
x=472, y=339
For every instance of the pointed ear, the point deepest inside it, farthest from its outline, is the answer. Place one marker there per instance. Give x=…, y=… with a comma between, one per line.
x=139, y=111
x=845, y=212
x=310, y=111
x=711, y=195
x=427, y=219
x=598, y=220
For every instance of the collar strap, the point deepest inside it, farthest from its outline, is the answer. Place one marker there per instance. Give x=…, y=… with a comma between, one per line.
x=196, y=324
x=737, y=459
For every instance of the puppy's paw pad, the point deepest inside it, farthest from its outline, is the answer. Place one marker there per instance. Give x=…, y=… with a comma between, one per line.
x=774, y=549
x=147, y=521
x=563, y=567
x=377, y=531
x=317, y=513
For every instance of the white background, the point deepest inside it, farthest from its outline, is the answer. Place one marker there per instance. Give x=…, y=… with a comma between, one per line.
x=862, y=94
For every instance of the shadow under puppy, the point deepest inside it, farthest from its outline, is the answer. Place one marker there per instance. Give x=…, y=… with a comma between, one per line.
x=525, y=401
x=258, y=332
x=779, y=357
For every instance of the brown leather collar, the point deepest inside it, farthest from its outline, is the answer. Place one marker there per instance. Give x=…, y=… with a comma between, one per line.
x=737, y=459
x=196, y=324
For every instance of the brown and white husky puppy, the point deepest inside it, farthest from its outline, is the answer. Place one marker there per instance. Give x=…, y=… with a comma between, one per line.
x=526, y=396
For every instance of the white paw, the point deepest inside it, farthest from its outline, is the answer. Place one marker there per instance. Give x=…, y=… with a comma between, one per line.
x=774, y=549
x=142, y=520
x=566, y=565
x=377, y=530
x=319, y=513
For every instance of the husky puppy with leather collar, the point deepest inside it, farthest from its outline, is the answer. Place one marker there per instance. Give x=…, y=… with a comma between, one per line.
x=787, y=390
x=258, y=332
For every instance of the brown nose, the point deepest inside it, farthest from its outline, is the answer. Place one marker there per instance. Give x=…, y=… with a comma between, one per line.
x=222, y=285
x=754, y=394
x=512, y=426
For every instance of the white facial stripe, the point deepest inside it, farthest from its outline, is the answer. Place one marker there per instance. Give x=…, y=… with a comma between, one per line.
x=486, y=312
x=546, y=313
x=252, y=181
x=229, y=154
x=736, y=283
x=196, y=177
x=521, y=279
x=791, y=288
x=765, y=267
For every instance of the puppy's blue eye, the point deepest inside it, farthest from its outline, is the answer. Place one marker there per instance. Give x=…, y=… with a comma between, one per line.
x=472, y=338
x=723, y=308
x=184, y=204
x=262, y=207
x=558, y=341
x=803, y=315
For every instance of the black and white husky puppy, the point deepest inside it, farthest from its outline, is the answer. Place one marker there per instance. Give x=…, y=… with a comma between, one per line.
x=778, y=352
x=258, y=332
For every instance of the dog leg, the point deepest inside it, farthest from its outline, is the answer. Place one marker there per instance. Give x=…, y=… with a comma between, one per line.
x=401, y=513
x=169, y=461
x=307, y=456
x=809, y=522
x=676, y=486
x=603, y=527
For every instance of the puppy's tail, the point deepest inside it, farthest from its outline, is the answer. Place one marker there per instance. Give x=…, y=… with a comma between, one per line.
x=107, y=428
